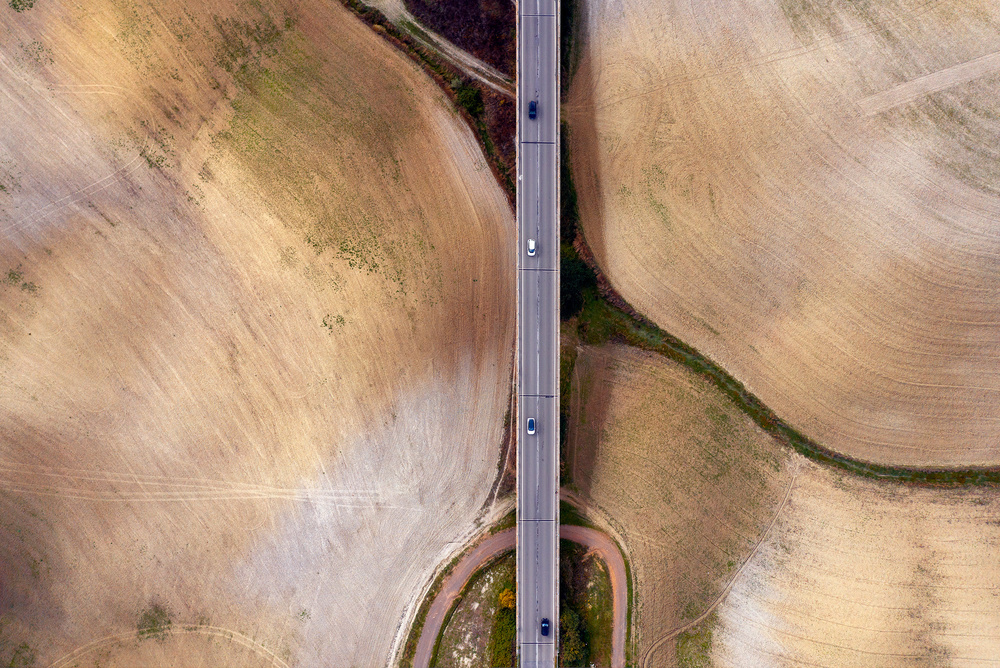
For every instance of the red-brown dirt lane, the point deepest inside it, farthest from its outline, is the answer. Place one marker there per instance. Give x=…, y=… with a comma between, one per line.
x=605, y=548
x=493, y=546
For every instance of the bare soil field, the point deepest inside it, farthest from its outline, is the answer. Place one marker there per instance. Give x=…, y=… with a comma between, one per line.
x=857, y=573
x=251, y=389
x=744, y=554
x=807, y=192
x=688, y=483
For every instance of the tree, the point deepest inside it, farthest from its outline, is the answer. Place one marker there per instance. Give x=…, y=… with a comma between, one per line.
x=507, y=599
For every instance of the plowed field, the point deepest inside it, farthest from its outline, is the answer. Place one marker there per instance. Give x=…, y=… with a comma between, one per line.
x=251, y=386
x=767, y=559
x=808, y=192
x=863, y=574
x=688, y=482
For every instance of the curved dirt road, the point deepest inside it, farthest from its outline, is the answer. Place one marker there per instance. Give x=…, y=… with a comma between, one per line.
x=606, y=549
x=593, y=540
x=488, y=549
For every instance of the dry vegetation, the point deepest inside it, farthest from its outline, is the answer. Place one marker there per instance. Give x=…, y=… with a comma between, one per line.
x=852, y=572
x=859, y=573
x=246, y=372
x=687, y=481
x=484, y=28
x=808, y=193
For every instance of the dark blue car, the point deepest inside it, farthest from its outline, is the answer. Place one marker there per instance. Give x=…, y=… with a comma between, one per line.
x=532, y=109
x=545, y=626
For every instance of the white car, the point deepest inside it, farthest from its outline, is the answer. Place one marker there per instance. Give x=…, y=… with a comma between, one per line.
x=531, y=425
x=531, y=247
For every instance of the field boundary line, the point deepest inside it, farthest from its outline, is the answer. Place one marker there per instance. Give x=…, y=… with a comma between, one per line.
x=662, y=640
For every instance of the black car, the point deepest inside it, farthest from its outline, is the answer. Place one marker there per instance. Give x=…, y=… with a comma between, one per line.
x=532, y=109
x=545, y=626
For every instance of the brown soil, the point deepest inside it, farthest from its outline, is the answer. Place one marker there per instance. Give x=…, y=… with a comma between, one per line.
x=807, y=192
x=773, y=560
x=687, y=482
x=229, y=256
x=858, y=573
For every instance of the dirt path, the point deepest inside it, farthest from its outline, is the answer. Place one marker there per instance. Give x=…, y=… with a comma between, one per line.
x=453, y=584
x=662, y=640
x=592, y=539
x=606, y=549
x=397, y=12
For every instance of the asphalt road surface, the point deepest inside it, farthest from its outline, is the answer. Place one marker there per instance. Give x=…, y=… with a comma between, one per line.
x=499, y=543
x=538, y=334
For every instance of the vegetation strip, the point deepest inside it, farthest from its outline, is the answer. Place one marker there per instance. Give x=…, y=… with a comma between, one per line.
x=463, y=92
x=604, y=315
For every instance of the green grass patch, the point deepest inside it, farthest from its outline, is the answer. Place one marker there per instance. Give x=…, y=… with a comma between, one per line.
x=694, y=647
x=568, y=514
x=501, y=650
x=598, y=615
x=154, y=622
x=509, y=521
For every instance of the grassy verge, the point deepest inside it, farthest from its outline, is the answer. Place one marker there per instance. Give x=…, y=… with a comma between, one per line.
x=502, y=637
x=476, y=578
x=509, y=521
x=568, y=514
x=410, y=649
x=466, y=94
x=694, y=646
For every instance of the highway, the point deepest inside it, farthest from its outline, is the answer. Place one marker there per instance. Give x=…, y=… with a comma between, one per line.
x=538, y=333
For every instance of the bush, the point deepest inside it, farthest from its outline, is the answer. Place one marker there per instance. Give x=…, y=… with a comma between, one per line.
x=501, y=647
x=21, y=5
x=471, y=100
x=575, y=279
x=572, y=651
x=154, y=622
x=507, y=599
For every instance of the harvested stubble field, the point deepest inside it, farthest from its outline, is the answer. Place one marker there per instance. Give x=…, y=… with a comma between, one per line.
x=824, y=568
x=687, y=481
x=808, y=193
x=250, y=387
x=865, y=573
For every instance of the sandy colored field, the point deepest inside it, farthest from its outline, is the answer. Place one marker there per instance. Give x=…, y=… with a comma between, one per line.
x=808, y=192
x=247, y=372
x=687, y=482
x=863, y=574
x=797, y=564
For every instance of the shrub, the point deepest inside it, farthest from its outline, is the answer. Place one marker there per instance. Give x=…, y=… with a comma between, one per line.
x=501, y=647
x=21, y=5
x=154, y=622
x=572, y=651
x=507, y=599
x=471, y=100
x=574, y=281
